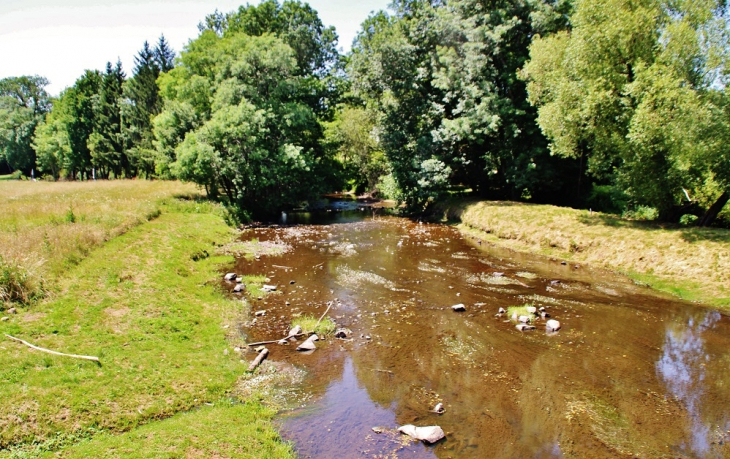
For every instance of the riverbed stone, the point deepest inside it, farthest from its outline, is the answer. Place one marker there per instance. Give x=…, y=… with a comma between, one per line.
x=308, y=345
x=260, y=313
x=343, y=333
x=268, y=288
x=524, y=327
x=501, y=311
x=239, y=288
x=552, y=325
x=524, y=319
x=531, y=309
x=458, y=307
x=439, y=408
x=429, y=434
x=230, y=276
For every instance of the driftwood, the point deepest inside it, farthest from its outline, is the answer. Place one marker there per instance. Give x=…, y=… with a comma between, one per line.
x=275, y=340
x=262, y=355
x=84, y=357
x=282, y=267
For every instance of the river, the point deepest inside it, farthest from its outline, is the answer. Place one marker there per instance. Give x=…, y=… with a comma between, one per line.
x=630, y=373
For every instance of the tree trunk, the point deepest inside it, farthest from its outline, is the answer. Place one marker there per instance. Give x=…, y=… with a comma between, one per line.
x=714, y=210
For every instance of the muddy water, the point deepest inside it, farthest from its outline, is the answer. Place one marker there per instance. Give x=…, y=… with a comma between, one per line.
x=629, y=374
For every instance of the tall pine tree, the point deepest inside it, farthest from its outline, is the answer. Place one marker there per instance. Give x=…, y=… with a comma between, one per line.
x=106, y=143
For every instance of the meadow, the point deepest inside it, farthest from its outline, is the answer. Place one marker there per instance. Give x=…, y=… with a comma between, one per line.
x=140, y=292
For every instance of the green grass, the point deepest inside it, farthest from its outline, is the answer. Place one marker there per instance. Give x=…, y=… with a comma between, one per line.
x=159, y=325
x=689, y=262
x=309, y=325
x=224, y=430
x=47, y=228
x=520, y=310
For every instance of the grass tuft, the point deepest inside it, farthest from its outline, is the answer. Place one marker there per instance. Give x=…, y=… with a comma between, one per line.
x=520, y=310
x=326, y=327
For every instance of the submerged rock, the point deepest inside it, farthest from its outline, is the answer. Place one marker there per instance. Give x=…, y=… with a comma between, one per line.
x=458, y=307
x=230, y=276
x=552, y=325
x=524, y=319
x=501, y=311
x=268, y=288
x=343, y=333
x=531, y=309
x=524, y=327
x=439, y=408
x=429, y=434
x=260, y=313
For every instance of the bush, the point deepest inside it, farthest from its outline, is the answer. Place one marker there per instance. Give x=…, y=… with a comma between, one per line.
x=688, y=219
x=607, y=198
x=17, y=284
x=389, y=189
x=642, y=213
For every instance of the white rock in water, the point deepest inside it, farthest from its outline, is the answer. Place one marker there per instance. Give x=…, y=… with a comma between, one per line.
x=501, y=311
x=531, y=309
x=439, y=408
x=308, y=345
x=458, y=307
x=260, y=313
x=294, y=331
x=239, y=288
x=429, y=434
x=230, y=276
x=269, y=288
x=524, y=319
x=552, y=325
x=524, y=327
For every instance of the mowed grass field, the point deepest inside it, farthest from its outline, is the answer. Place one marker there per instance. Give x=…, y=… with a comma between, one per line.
x=142, y=295
x=689, y=262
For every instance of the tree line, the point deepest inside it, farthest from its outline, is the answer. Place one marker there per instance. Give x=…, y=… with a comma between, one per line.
x=617, y=105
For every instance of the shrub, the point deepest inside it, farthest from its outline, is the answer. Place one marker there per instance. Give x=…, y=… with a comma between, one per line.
x=688, y=219
x=17, y=284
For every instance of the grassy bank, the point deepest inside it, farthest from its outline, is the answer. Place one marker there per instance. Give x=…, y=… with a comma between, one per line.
x=147, y=304
x=692, y=263
x=45, y=227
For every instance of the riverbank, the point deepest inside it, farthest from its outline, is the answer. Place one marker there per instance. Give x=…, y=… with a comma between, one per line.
x=146, y=303
x=688, y=262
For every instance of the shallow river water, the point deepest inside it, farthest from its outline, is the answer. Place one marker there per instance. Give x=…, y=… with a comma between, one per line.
x=630, y=374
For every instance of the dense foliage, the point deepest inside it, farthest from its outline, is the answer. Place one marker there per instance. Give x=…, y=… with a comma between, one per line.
x=618, y=105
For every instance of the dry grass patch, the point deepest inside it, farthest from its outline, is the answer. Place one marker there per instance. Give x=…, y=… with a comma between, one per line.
x=693, y=263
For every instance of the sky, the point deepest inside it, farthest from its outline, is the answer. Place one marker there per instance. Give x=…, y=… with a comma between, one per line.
x=59, y=39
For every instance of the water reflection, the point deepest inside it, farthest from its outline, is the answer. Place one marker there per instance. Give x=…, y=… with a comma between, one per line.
x=682, y=369
x=344, y=425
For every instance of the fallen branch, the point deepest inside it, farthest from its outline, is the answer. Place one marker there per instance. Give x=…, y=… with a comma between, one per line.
x=325, y=313
x=262, y=355
x=317, y=266
x=84, y=357
x=282, y=267
x=277, y=340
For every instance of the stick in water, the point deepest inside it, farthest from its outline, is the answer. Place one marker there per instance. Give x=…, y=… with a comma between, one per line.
x=85, y=357
x=262, y=355
x=329, y=305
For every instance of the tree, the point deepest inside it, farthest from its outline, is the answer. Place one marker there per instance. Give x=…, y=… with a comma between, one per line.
x=237, y=120
x=106, y=143
x=164, y=55
x=633, y=88
x=141, y=104
x=23, y=103
x=443, y=77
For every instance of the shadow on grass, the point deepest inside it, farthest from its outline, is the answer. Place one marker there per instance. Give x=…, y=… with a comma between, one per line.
x=688, y=234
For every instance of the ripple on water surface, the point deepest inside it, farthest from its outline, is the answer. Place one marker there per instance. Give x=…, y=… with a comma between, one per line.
x=629, y=374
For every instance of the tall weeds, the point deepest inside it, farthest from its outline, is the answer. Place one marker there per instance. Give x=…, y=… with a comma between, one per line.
x=18, y=284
